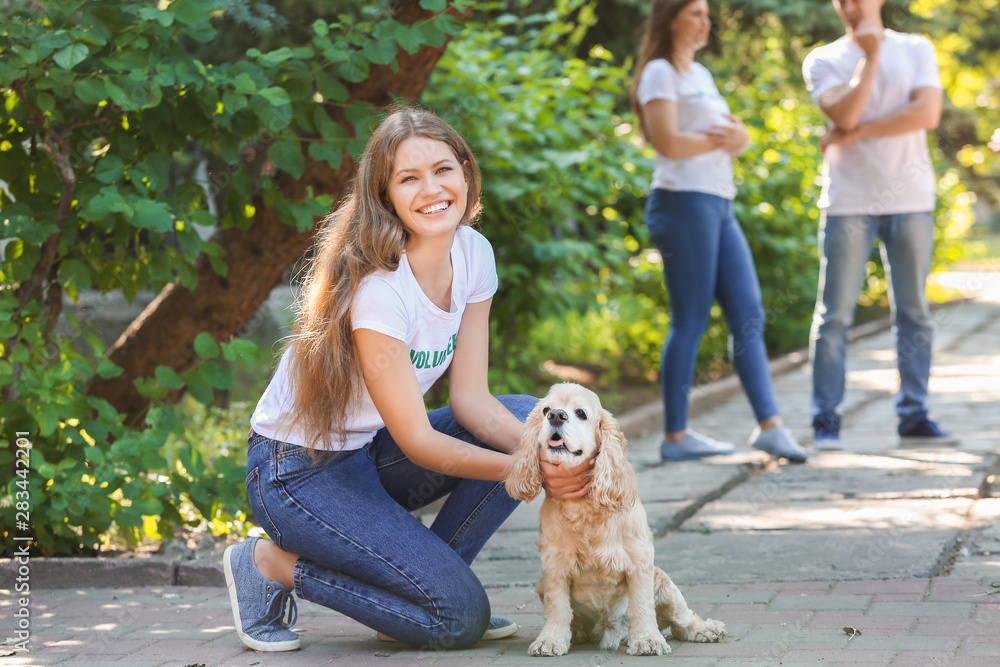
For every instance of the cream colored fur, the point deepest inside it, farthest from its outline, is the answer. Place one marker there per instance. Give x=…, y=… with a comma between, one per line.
x=598, y=581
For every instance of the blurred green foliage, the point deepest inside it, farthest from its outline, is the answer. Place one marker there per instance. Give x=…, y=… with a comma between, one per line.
x=142, y=94
x=107, y=109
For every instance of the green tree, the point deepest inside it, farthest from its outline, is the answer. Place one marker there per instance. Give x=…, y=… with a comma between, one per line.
x=562, y=187
x=104, y=103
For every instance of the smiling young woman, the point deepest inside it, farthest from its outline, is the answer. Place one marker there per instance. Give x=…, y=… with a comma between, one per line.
x=341, y=447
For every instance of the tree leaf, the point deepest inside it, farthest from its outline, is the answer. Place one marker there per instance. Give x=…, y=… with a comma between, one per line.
x=47, y=416
x=216, y=375
x=109, y=169
x=168, y=377
x=190, y=12
x=199, y=388
x=355, y=70
x=239, y=347
x=327, y=152
x=128, y=517
x=91, y=90
x=74, y=274
x=192, y=461
x=244, y=83
x=71, y=56
x=411, y=40
x=330, y=88
x=148, y=506
x=205, y=346
x=45, y=102
x=275, y=57
x=287, y=155
x=152, y=215
x=107, y=369
x=381, y=52
x=276, y=95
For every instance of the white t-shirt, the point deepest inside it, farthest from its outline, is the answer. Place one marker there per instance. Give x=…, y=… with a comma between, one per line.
x=699, y=107
x=392, y=303
x=881, y=175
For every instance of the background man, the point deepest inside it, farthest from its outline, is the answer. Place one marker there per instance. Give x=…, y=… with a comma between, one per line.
x=881, y=92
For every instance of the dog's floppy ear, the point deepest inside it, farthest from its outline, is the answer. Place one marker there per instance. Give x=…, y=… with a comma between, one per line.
x=525, y=479
x=614, y=481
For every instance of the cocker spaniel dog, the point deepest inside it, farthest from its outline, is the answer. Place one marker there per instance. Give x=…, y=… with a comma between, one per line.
x=598, y=579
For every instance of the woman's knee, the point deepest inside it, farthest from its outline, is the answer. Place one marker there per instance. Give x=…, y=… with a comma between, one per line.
x=687, y=331
x=464, y=617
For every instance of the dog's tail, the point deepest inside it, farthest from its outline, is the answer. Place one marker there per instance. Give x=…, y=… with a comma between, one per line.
x=672, y=611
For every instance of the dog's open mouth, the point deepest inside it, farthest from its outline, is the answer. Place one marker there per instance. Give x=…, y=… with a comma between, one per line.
x=557, y=444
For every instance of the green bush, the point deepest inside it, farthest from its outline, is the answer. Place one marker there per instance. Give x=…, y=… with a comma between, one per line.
x=563, y=183
x=106, y=108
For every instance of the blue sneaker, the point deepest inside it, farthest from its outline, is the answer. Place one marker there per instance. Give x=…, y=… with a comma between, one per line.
x=925, y=432
x=264, y=610
x=498, y=628
x=826, y=433
x=779, y=442
x=694, y=446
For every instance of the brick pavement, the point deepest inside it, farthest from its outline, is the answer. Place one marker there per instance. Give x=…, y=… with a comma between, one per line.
x=949, y=620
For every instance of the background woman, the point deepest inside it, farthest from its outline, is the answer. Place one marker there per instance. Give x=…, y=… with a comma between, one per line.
x=690, y=218
x=341, y=448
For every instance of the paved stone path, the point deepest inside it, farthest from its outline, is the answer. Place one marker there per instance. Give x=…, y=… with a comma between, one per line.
x=902, y=544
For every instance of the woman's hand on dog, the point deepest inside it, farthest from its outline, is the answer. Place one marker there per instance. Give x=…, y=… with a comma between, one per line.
x=567, y=483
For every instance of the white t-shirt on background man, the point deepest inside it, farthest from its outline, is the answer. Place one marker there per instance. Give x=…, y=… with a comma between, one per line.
x=392, y=303
x=880, y=175
x=699, y=107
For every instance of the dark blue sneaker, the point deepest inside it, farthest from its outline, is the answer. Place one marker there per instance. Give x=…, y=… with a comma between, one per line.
x=264, y=610
x=826, y=433
x=925, y=432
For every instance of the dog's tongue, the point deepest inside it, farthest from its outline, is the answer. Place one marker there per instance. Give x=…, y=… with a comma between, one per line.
x=555, y=440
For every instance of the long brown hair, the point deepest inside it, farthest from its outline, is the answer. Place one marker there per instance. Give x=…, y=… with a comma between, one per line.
x=657, y=42
x=362, y=236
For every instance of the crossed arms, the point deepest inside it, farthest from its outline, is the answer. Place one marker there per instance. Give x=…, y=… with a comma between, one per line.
x=845, y=104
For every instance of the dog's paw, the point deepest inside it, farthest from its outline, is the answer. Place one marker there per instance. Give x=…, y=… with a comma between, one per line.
x=648, y=645
x=548, y=646
x=709, y=631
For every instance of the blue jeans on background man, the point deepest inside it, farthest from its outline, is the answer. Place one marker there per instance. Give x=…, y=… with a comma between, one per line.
x=706, y=258
x=360, y=550
x=845, y=242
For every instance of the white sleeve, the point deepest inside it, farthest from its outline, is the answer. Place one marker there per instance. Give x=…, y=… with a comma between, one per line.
x=484, y=281
x=658, y=81
x=379, y=307
x=820, y=75
x=926, y=65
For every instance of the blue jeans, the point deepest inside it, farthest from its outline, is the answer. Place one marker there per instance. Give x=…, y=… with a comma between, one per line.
x=360, y=550
x=845, y=243
x=706, y=258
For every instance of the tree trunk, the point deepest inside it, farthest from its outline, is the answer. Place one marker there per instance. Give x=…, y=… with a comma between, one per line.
x=257, y=258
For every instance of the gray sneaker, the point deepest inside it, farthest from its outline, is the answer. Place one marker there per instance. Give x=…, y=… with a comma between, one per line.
x=264, y=610
x=779, y=442
x=694, y=446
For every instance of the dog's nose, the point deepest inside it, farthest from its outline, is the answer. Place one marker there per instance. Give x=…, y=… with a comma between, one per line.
x=557, y=417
